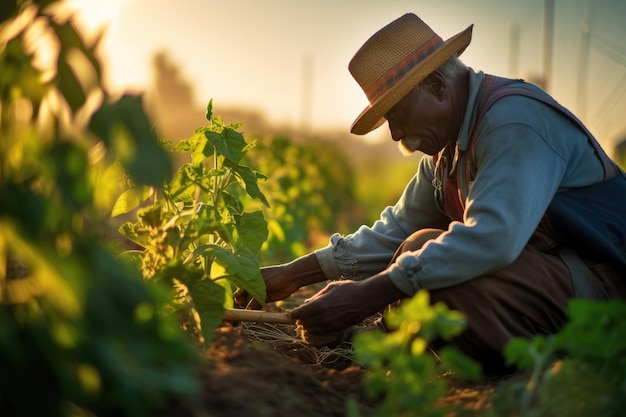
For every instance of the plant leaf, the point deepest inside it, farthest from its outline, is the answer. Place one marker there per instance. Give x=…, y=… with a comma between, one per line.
x=229, y=143
x=251, y=231
x=209, y=110
x=208, y=299
x=462, y=366
x=125, y=128
x=249, y=276
x=248, y=179
x=182, y=186
x=130, y=199
x=242, y=268
x=69, y=86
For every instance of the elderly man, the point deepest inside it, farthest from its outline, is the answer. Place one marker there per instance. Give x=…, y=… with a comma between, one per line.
x=514, y=209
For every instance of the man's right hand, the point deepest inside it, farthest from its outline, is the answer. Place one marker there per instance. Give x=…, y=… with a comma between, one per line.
x=278, y=286
x=283, y=280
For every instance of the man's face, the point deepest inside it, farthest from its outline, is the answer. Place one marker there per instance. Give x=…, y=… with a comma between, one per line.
x=421, y=120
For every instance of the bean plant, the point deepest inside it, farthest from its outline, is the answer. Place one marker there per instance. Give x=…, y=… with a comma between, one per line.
x=401, y=368
x=194, y=233
x=578, y=372
x=311, y=195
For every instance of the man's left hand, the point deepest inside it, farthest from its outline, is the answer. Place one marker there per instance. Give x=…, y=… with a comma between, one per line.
x=342, y=304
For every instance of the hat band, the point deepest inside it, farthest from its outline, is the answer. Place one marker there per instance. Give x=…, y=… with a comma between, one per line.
x=388, y=79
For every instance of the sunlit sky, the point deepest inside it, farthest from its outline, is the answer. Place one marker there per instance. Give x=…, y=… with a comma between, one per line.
x=282, y=57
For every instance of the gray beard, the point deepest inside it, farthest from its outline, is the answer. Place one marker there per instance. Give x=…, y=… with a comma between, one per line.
x=409, y=145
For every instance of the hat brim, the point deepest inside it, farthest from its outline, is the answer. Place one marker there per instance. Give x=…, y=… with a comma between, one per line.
x=373, y=115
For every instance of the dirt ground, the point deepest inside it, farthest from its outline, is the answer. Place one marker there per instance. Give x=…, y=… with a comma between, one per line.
x=265, y=370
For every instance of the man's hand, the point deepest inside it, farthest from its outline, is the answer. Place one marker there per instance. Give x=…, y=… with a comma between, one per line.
x=283, y=280
x=343, y=304
x=278, y=286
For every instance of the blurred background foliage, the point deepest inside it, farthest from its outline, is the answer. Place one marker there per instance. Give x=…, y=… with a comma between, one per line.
x=310, y=189
x=81, y=333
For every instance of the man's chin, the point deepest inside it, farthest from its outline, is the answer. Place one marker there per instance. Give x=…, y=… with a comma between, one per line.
x=404, y=150
x=409, y=145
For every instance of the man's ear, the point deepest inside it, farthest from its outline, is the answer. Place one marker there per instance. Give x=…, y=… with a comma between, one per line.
x=436, y=84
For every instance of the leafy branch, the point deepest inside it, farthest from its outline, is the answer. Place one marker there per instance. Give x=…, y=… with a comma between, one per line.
x=195, y=234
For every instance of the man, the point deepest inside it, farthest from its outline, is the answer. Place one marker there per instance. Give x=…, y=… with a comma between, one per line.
x=514, y=210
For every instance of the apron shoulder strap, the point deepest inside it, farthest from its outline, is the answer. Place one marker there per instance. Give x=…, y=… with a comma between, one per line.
x=495, y=88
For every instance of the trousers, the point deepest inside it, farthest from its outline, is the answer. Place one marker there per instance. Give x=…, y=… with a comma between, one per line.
x=527, y=298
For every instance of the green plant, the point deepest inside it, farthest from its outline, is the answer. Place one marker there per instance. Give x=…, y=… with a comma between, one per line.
x=400, y=368
x=580, y=371
x=310, y=194
x=82, y=332
x=195, y=234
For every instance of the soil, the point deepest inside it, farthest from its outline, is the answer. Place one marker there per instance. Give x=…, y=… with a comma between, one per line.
x=265, y=370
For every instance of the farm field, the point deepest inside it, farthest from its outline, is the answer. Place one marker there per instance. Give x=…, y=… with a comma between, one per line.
x=121, y=249
x=279, y=377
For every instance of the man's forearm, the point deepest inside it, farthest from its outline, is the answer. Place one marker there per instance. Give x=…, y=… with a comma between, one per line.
x=381, y=291
x=305, y=270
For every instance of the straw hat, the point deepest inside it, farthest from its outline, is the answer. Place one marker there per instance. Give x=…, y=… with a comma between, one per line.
x=394, y=60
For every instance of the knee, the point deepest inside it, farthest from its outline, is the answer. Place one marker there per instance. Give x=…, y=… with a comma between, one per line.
x=418, y=239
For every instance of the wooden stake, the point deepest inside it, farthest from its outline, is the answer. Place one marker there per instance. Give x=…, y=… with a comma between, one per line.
x=258, y=316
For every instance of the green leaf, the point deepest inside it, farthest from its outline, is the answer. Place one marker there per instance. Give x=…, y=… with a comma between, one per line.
x=596, y=330
x=209, y=110
x=69, y=86
x=125, y=128
x=69, y=163
x=249, y=179
x=251, y=231
x=22, y=204
x=8, y=9
x=69, y=72
x=448, y=323
x=229, y=143
x=71, y=39
x=202, y=151
x=236, y=144
x=232, y=203
x=370, y=348
x=208, y=299
x=249, y=275
x=136, y=233
x=216, y=143
x=182, y=186
x=228, y=301
x=242, y=268
x=151, y=216
x=205, y=223
x=461, y=365
x=187, y=145
x=516, y=353
x=130, y=199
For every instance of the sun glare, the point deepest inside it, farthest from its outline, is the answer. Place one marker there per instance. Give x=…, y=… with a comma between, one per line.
x=94, y=14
